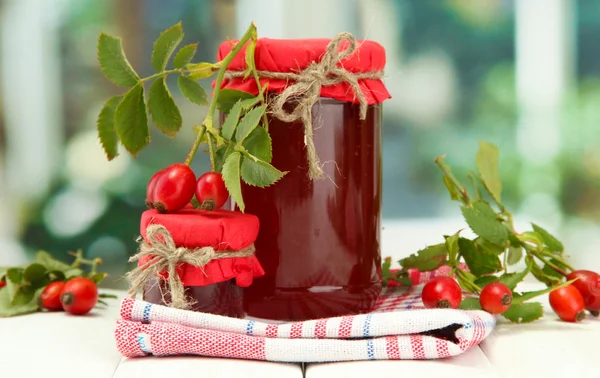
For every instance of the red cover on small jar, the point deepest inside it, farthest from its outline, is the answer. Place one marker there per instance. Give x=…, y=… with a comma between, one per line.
x=220, y=229
x=295, y=55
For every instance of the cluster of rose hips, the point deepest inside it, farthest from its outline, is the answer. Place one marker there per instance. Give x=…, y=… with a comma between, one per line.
x=174, y=187
x=568, y=302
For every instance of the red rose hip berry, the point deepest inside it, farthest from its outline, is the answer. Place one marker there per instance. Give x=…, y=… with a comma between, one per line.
x=174, y=188
x=79, y=296
x=442, y=292
x=2, y=283
x=150, y=189
x=50, y=297
x=588, y=285
x=568, y=303
x=211, y=192
x=495, y=298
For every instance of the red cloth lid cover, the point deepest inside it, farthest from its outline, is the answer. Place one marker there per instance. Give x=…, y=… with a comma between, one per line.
x=220, y=229
x=295, y=55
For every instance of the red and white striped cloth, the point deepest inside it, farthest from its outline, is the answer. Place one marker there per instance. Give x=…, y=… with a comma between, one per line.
x=398, y=328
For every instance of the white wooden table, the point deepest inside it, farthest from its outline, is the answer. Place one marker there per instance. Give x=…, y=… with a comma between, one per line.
x=58, y=345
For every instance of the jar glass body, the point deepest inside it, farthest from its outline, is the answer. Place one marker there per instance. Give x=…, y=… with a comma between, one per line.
x=223, y=298
x=319, y=241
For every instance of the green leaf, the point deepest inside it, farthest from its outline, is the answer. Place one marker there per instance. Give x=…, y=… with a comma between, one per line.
x=231, y=121
x=73, y=272
x=163, y=109
x=231, y=177
x=452, y=248
x=551, y=242
x=202, y=70
x=15, y=275
x=480, y=262
x=34, y=273
x=131, y=120
x=451, y=189
x=259, y=173
x=515, y=254
x=484, y=222
x=7, y=309
x=550, y=271
x=512, y=279
x=165, y=45
x=524, y=313
x=487, y=161
x=185, y=55
x=481, y=243
x=538, y=273
x=106, y=127
x=470, y=304
x=113, y=63
x=98, y=277
x=523, y=297
x=466, y=280
x=221, y=154
x=249, y=123
x=485, y=280
x=228, y=97
x=56, y=275
x=46, y=259
x=192, y=90
x=426, y=259
x=249, y=103
x=23, y=296
x=385, y=267
x=110, y=296
x=258, y=144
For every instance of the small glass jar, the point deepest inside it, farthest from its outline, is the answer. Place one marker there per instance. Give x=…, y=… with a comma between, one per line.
x=319, y=241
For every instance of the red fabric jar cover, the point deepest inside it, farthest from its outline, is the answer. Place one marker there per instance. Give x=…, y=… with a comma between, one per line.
x=220, y=229
x=295, y=55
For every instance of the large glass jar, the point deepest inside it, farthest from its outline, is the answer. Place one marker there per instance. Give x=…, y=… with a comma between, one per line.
x=319, y=240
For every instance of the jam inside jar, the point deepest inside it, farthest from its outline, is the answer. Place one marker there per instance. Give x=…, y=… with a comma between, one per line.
x=319, y=240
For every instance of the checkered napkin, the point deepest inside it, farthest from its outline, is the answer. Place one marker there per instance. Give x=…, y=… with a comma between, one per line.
x=398, y=328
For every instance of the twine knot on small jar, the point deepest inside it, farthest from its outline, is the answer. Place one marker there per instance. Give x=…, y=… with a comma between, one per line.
x=306, y=91
x=166, y=256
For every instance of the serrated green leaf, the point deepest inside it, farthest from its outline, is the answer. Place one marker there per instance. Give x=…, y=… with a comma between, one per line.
x=511, y=280
x=15, y=275
x=34, y=273
x=452, y=248
x=485, y=280
x=202, y=70
x=480, y=262
x=427, y=259
x=487, y=161
x=228, y=97
x=162, y=107
x=259, y=173
x=549, y=240
x=451, y=189
x=22, y=296
x=106, y=127
x=538, y=273
x=185, y=55
x=466, y=280
x=490, y=247
x=470, y=304
x=519, y=298
x=515, y=254
x=165, y=45
x=248, y=123
x=258, y=144
x=524, y=313
x=250, y=47
x=231, y=177
x=131, y=120
x=7, y=309
x=192, y=90
x=482, y=219
x=114, y=63
x=46, y=259
x=249, y=103
x=221, y=154
x=231, y=121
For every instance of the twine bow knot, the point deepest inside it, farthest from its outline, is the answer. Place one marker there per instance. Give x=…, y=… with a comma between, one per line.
x=306, y=91
x=167, y=256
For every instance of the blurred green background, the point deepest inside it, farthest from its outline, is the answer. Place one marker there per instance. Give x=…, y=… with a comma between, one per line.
x=523, y=74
